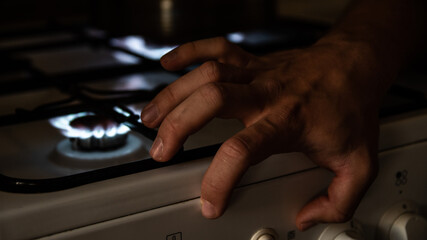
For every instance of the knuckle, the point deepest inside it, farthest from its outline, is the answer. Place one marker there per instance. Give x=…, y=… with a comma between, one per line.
x=170, y=94
x=210, y=187
x=273, y=87
x=268, y=127
x=191, y=45
x=236, y=149
x=211, y=71
x=213, y=94
x=340, y=216
x=341, y=213
x=171, y=125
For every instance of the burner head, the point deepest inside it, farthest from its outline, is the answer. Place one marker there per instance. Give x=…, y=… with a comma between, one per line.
x=104, y=134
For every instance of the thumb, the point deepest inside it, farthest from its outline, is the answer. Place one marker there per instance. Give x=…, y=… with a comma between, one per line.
x=344, y=192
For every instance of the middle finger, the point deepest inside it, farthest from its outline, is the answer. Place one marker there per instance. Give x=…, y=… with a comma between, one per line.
x=155, y=112
x=214, y=99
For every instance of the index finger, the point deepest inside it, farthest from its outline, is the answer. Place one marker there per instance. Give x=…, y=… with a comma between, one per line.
x=218, y=49
x=344, y=192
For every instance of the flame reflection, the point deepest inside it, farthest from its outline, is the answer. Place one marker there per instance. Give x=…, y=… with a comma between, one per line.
x=236, y=37
x=139, y=45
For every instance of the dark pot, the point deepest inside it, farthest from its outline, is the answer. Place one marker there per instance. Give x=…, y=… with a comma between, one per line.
x=176, y=21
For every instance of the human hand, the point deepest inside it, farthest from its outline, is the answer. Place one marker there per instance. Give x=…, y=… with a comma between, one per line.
x=321, y=101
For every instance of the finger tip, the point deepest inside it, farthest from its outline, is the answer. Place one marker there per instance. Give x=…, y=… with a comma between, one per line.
x=159, y=159
x=209, y=211
x=151, y=125
x=164, y=63
x=156, y=150
x=308, y=216
x=150, y=114
x=167, y=59
x=305, y=225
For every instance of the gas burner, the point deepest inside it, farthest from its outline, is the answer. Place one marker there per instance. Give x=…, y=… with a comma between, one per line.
x=95, y=141
x=104, y=137
x=136, y=148
x=90, y=132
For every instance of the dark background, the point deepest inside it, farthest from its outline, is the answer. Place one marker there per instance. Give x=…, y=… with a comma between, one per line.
x=161, y=20
x=19, y=14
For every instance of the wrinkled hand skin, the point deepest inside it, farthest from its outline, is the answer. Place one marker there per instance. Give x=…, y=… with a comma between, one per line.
x=322, y=101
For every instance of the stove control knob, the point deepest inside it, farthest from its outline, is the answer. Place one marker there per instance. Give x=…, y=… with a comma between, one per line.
x=265, y=234
x=343, y=231
x=402, y=222
x=409, y=226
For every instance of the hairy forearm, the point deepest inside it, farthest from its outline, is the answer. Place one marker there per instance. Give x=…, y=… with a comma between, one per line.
x=392, y=31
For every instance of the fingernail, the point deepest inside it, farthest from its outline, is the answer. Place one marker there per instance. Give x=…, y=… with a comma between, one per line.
x=168, y=57
x=208, y=210
x=306, y=225
x=157, y=149
x=149, y=114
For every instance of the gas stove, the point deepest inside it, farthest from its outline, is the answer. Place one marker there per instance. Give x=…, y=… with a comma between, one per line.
x=74, y=154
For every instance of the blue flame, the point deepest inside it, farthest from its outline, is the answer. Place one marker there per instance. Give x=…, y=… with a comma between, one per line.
x=63, y=123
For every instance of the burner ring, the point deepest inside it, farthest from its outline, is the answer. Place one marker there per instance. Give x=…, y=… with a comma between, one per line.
x=136, y=148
